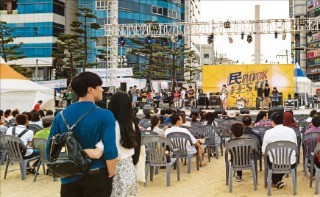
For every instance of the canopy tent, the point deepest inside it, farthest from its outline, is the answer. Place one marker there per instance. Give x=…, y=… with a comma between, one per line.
x=303, y=83
x=18, y=92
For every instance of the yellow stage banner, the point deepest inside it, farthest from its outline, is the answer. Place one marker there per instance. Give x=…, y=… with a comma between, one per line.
x=243, y=81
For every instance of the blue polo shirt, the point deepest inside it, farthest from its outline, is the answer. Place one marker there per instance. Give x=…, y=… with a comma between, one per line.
x=98, y=124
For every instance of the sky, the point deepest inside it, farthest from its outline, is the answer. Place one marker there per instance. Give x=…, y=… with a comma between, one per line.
x=240, y=50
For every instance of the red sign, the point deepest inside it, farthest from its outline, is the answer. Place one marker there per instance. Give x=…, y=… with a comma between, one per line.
x=310, y=55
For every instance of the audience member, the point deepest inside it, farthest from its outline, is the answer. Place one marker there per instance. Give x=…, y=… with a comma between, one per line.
x=247, y=123
x=35, y=119
x=316, y=123
x=37, y=106
x=155, y=122
x=44, y=133
x=312, y=113
x=176, y=121
x=288, y=120
x=262, y=120
x=279, y=133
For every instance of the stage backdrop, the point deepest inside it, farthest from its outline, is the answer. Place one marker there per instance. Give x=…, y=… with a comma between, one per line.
x=244, y=80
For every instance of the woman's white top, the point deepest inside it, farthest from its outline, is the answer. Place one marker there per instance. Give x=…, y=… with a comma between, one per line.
x=187, y=124
x=123, y=153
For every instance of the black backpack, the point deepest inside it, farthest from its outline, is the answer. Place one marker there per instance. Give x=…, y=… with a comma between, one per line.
x=67, y=158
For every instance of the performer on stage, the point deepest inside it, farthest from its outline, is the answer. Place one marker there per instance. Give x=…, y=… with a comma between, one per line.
x=266, y=99
x=224, y=97
x=275, y=97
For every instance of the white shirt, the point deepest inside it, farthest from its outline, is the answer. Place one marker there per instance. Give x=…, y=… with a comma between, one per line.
x=190, y=148
x=279, y=133
x=183, y=94
x=309, y=119
x=159, y=131
x=187, y=124
x=27, y=137
x=39, y=123
x=123, y=153
x=3, y=129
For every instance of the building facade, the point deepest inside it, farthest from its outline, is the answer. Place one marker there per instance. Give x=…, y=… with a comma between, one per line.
x=37, y=25
x=313, y=43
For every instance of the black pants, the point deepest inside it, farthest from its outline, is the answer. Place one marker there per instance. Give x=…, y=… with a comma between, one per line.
x=95, y=185
x=277, y=177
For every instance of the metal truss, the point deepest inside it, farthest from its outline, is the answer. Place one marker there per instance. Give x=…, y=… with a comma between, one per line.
x=246, y=27
x=112, y=41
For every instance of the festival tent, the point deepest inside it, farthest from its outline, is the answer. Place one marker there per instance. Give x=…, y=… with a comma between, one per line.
x=303, y=84
x=18, y=92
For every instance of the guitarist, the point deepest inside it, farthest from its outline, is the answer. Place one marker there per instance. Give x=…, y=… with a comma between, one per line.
x=266, y=99
x=224, y=97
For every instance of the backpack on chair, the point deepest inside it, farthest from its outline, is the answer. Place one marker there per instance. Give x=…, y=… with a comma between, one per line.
x=66, y=156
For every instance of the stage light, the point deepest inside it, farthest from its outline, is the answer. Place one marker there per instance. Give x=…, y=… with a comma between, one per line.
x=148, y=40
x=249, y=39
x=210, y=39
x=122, y=41
x=230, y=39
x=275, y=35
x=242, y=36
x=284, y=35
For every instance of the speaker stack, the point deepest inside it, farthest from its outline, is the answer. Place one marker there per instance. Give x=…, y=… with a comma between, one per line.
x=244, y=111
x=278, y=109
x=219, y=110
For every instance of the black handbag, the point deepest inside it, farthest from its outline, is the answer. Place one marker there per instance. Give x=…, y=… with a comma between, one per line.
x=67, y=158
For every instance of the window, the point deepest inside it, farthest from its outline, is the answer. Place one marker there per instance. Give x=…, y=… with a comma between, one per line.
x=101, y=5
x=174, y=14
x=160, y=10
x=155, y=9
x=206, y=55
x=170, y=13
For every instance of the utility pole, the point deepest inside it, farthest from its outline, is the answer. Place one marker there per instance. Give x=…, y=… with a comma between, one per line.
x=36, y=69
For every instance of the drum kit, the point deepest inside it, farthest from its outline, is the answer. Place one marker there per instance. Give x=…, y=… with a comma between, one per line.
x=242, y=102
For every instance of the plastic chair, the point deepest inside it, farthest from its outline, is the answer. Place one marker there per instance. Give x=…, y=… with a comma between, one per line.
x=298, y=134
x=180, y=141
x=308, y=146
x=196, y=124
x=14, y=145
x=242, y=153
x=224, y=130
x=212, y=140
x=314, y=155
x=40, y=144
x=156, y=156
x=34, y=127
x=148, y=133
x=259, y=152
x=3, y=149
x=280, y=152
x=261, y=130
x=303, y=125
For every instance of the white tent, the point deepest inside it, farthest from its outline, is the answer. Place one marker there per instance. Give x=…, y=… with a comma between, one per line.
x=18, y=92
x=303, y=83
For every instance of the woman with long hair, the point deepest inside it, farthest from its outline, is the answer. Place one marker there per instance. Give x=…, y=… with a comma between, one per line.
x=155, y=122
x=125, y=179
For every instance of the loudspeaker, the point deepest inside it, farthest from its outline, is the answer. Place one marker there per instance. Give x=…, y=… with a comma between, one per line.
x=260, y=92
x=123, y=86
x=244, y=111
x=278, y=109
x=198, y=110
x=219, y=110
x=214, y=100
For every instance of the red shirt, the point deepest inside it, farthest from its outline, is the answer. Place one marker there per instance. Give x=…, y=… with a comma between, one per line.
x=37, y=107
x=176, y=95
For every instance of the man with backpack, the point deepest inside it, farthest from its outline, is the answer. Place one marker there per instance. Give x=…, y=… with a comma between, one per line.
x=92, y=125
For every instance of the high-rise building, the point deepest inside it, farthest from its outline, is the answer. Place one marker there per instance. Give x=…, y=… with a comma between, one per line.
x=140, y=11
x=313, y=43
x=38, y=26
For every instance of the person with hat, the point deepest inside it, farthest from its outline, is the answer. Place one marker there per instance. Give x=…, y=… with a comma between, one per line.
x=44, y=133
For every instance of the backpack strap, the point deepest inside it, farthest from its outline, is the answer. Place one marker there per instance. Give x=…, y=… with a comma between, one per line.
x=21, y=134
x=75, y=124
